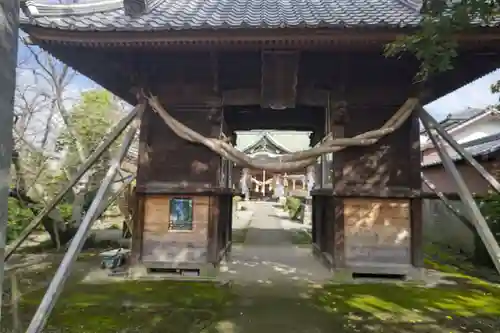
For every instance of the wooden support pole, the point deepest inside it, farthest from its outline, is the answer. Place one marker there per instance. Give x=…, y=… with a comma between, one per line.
x=470, y=205
x=64, y=270
x=425, y=116
x=120, y=127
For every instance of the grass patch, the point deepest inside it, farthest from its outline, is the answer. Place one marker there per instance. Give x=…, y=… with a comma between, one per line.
x=301, y=237
x=239, y=235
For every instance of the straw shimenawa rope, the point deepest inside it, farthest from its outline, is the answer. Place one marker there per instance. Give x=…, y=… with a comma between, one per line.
x=288, y=162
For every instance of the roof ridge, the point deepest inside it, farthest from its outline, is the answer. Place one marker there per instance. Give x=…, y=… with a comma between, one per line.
x=35, y=8
x=276, y=142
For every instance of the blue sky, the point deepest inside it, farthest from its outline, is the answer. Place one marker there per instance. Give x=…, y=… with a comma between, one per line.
x=476, y=94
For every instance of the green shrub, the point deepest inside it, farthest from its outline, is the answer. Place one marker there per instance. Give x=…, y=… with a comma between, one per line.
x=18, y=218
x=490, y=208
x=293, y=207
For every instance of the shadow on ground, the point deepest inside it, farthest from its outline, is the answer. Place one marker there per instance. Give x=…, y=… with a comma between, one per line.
x=364, y=308
x=188, y=307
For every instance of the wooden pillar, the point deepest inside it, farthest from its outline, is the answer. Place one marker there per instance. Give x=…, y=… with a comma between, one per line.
x=263, y=182
x=338, y=119
x=181, y=192
x=374, y=230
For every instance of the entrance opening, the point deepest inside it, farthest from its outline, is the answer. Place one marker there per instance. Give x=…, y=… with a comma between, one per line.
x=371, y=276
x=174, y=271
x=272, y=223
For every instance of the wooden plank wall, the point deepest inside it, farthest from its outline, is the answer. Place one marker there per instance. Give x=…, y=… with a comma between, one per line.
x=160, y=244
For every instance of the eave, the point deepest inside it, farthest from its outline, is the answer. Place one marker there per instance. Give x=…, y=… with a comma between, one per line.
x=246, y=37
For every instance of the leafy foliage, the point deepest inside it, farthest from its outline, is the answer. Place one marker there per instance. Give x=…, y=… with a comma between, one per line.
x=19, y=216
x=434, y=44
x=490, y=207
x=91, y=119
x=293, y=207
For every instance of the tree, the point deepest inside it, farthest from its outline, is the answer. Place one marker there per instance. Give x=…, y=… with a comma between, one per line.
x=434, y=44
x=54, y=132
x=90, y=119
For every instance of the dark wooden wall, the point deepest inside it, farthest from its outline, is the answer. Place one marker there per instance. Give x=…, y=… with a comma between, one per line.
x=169, y=162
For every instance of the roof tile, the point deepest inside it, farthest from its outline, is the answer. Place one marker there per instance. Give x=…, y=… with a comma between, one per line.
x=224, y=14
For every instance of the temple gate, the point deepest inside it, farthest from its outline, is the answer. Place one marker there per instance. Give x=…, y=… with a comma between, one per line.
x=295, y=66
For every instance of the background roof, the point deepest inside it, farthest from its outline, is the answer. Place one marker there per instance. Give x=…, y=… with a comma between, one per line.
x=291, y=140
x=477, y=148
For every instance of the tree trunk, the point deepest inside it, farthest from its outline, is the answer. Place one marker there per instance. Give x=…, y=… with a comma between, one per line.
x=9, y=27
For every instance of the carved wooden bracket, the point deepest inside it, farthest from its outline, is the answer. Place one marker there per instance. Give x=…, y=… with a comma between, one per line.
x=339, y=114
x=279, y=79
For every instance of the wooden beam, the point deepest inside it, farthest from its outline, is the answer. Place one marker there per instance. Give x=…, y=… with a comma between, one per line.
x=279, y=79
x=376, y=95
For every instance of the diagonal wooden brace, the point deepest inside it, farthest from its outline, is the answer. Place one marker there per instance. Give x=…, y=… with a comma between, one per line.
x=471, y=208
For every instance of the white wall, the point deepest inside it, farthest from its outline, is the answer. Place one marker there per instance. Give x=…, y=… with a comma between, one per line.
x=487, y=126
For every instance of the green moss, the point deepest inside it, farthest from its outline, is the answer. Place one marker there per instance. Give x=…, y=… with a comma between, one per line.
x=146, y=306
x=413, y=303
x=301, y=237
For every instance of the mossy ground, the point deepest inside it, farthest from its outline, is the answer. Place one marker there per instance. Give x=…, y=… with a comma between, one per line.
x=463, y=304
x=152, y=306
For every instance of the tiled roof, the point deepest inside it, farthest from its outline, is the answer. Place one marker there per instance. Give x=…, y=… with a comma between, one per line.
x=266, y=141
x=454, y=119
x=477, y=148
x=290, y=141
x=108, y=15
